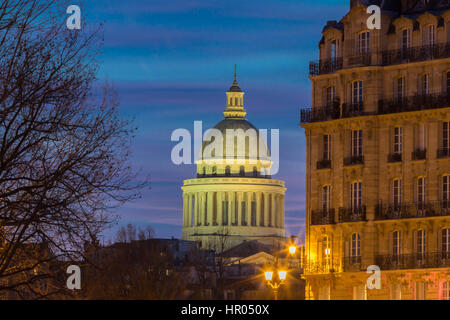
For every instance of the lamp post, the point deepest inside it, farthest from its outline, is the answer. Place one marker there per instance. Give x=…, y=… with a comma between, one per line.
x=275, y=284
x=293, y=249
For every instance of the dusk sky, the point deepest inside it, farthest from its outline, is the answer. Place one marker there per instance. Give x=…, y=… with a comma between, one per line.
x=172, y=61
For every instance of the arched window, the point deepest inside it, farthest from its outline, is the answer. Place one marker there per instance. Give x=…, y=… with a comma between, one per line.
x=242, y=171
x=214, y=170
x=227, y=171
x=356, y=246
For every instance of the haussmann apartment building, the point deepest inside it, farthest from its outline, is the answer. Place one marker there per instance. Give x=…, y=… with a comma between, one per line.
x=378, y=155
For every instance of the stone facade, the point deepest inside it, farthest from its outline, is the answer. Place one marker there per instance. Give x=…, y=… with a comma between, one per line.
x=378, y=150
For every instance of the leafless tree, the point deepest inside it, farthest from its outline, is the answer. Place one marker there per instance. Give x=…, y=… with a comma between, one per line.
x=64, y=149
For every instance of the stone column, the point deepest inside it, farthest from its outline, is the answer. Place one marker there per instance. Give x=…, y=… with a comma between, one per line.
x=210, y=208
x=185, y=207
x=201, y=210
x=189, y=210
x=273, y=209
x=248, y=208
x=197, y=208
x=282, y=211
x=267, y=221
x=258, y=209
x=219, y=208
x=232, y=197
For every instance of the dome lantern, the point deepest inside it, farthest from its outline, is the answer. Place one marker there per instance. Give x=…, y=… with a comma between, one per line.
x=235, y=100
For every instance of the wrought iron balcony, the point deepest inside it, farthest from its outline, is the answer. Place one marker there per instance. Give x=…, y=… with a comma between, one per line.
x=443, y=153
x=325, y=66
x=322, y=217
x=414, y=103
x=416, y=54
x=325, y=113
x=419, y=154
x=360, y=60
x=352, y=264
x=395, y=157
x=352, y=214
x=413, y=210
x=327, y=265
x=354, y=160
x=323, y=164
x=413, y=261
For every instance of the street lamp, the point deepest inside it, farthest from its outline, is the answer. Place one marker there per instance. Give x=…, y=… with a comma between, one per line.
x=275, y=284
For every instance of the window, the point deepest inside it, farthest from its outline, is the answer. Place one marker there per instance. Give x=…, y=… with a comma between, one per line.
x=396, y=243
x=448, y=80
x=356, y=195
x=357, y=143
x=421, y=242
x=326, y=197
x=242, y=171
x=421, y=290
x=429, y=35
x=330, y=95
x=446, y=240
x=400, y=88
x=397, y=193
x=356, y=245
x=406, y=39
x=357, y=92
x=446, y=192
x=363, y=43
x=398, y=140
x=333, y=53
x=214, y=170
x=327, y=147
x=326, y=251
x=227, y=171
x=425, y=84
x=255, y=172
x=446, y=290
x=420, y=192
x=446, y=135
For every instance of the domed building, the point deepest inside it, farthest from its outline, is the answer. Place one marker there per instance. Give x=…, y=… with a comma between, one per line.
x=234, y=198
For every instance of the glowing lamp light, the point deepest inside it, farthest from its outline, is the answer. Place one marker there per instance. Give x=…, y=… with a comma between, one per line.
x=327, y=251
x=292, y=249
x=282, y=274
x=268, y=275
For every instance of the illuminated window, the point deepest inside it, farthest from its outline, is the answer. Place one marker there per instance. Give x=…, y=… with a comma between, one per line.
x=397, y=193
x=396, y=243
x=420, y=192
x=446, y=191
x=356, y=245
x=326, y=197
x=357, y=136
x=421, y=242
x=446, y=240
x=356, y=195
x=398, y=140
x=446, y=135
x=429, y=35
x=406, y=39
x=327, y=147
x=331, y=91
x=326, y=251
x=363, y=43
x=357, y=92
x=446, y=290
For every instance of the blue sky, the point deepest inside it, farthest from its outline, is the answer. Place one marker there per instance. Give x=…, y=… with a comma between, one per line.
x=171, y=62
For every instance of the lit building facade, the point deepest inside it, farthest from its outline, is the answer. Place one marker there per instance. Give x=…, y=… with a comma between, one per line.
x=378, y=155
x=233, y=198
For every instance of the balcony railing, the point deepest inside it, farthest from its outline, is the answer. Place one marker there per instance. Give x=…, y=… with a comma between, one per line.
x=327, y=265
x=413, y=210
x=443, y=153
x=354, y=160
x=352, y=214
x=325, y=66
x=360, y=60
x=325, y=113
x=352, y=264
x=413, y=261
x=322, y=217
x=416, y=54
x=323, y=164
x=414, y=103
x=419, y=154
x=395, y=157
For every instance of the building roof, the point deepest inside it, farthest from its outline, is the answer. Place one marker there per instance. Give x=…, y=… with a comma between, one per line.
x=247, y=249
